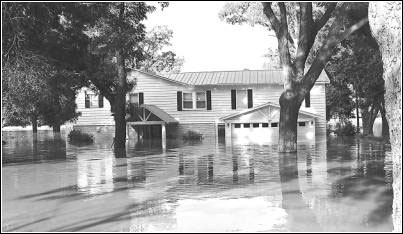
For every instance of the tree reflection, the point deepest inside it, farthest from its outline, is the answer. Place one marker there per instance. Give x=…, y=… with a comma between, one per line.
x=298, y=212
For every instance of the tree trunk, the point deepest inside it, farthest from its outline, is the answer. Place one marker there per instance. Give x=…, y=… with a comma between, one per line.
x=34, y=120
x=56, y=128
x=365, y=121
x=368, y=120
x=385, y=20
x=289, y=109
x=385, y=125
x=120, y=100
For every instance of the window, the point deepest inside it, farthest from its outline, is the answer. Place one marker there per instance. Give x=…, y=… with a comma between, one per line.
x=247, y=125
x=237, y=125
x=194, y=100
x=274, y=125
x=200, y=100
x=187, y=101
x=265, y=125
x=255, y=125
x=93, y=100
x=241, y=99
x=134, y=98
x=301, y=124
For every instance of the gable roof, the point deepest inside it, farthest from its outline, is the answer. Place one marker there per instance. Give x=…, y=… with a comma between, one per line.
x=247, y=111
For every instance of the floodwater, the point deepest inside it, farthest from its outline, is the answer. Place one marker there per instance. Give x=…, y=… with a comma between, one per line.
x=334, y=184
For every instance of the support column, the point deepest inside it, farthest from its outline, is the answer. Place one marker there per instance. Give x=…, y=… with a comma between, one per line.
x=127, y=131
x=163, y=137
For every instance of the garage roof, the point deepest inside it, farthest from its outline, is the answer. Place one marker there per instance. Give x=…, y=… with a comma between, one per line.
x=247, y=111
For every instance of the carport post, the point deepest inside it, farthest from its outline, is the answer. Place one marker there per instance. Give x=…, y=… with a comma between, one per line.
x=163, y=136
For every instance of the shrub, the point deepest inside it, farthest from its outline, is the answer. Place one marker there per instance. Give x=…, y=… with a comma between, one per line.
x=78, y=137
x=192, y=135
x=347, y=129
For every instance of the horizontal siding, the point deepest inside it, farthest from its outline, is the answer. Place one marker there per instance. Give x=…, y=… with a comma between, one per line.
x=162, y=93
x=93, y=116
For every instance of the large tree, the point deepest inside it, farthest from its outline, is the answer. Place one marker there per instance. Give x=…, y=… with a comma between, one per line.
x=357, y=63
x=42, y=42
x=115, y=39
x=386, y=25
x=301, y=27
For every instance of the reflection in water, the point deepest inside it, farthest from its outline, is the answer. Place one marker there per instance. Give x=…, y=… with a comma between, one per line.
x=336, y=185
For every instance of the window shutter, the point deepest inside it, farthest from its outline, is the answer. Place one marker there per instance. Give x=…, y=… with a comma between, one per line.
x=87, y=100
x=308, y=99
x=233, y=99
x=141, y=98
x=208, y=94
x=100, y=101
x=179, y=100
x=250, y=98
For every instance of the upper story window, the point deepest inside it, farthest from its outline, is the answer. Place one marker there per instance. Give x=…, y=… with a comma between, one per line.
x=187, y=100
x=194, y=100
x=134, y=98
x=93, y=100
x=200, y=100
x=241, y=99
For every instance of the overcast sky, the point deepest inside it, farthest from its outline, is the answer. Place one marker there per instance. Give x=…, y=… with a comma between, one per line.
x=209, y=44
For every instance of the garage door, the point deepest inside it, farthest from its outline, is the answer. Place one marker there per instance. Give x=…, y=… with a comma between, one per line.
x=254, y=133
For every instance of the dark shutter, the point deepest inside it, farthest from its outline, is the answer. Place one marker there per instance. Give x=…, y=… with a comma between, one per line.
x=308, y=99
x=87, y=100
x=208, y=96
x=100, y=101
x=233, y=99
x=250, y=98
x=179, y=100
x=141, y=98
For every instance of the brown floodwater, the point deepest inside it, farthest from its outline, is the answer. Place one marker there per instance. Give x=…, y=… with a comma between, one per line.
x=333, y=184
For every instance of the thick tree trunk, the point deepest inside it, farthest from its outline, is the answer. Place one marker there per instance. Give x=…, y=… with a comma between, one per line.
x=289, y=109
x=120, y=100
x=120, y=105
x=385, y=20
x=34, y=121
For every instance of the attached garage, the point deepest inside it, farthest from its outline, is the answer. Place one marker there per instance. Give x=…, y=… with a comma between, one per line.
x=261, y=125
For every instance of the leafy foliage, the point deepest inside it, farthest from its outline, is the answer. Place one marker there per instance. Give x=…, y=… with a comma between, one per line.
x=156, y=60
x=78, y=137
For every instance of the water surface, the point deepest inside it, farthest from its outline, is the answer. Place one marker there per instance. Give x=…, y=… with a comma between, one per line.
x=335, y=184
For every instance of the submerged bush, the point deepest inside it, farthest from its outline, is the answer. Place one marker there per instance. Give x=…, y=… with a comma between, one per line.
x=192, y=135
x=347, y=129
x=78, y=137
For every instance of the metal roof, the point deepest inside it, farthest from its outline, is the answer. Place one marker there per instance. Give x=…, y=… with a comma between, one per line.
x=167, y=118
x=243, y=77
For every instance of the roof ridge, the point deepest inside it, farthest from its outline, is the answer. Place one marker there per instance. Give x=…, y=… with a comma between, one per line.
x=223, y=71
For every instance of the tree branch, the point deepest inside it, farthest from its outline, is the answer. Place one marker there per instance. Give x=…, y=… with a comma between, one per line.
x=268, y=11
x=323, y=20
x=306, y=37
x=282, y=34
x=334, y=37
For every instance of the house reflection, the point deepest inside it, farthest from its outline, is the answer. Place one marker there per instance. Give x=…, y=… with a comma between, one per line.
x=95, y=174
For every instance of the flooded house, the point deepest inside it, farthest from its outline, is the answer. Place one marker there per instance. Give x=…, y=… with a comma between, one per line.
x=239, y=105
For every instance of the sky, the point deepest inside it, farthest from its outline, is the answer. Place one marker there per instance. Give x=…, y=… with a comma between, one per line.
x=209, y=44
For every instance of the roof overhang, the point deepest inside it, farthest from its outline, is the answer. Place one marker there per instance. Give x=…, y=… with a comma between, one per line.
x=247, y=111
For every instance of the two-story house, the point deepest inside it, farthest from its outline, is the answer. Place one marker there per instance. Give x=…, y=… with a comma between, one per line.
x=236, y=104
